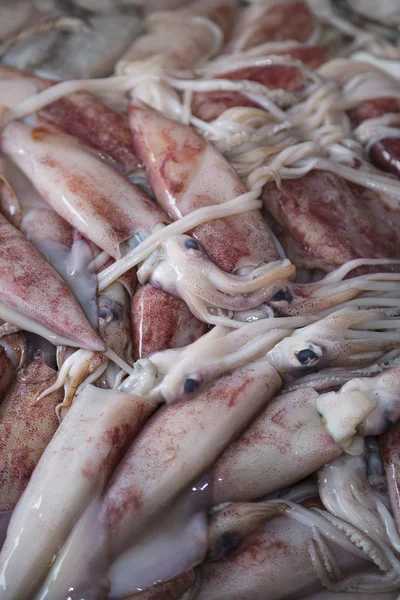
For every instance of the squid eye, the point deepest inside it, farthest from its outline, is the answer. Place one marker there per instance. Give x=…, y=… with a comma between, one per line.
x=107, y=314
x=191, y=244
x=307, y=357
x=284, y=295
x=190, y=386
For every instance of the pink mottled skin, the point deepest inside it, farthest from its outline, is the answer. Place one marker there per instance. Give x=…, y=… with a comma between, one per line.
x=85, y=191
x=86, y=117
x=160, y=321
x=273, y=564
x=26, y=427
x=390, y=452
x=187, y=173
x=86, y=448
x=44, y=224
x=281, y=21
x=180, y=39
x=30, y=285
x=323, y=221
x=286, y=443
x=210, y=105
x=178, y=444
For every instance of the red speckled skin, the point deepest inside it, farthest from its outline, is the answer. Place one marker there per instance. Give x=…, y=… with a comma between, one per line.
x=26, y=427
x=30, y=285
x=390, y=452
x=44, y=224
x=160, y=321
x=169, y=590
x=86, y=117
x=282, y=21
x=286, y=443
x=7, y=372
x=178, y=444
x=187, y=173
x=86, y=191
x=210, y=105
x=274, y=564
x=327, y=221
x=81, y=456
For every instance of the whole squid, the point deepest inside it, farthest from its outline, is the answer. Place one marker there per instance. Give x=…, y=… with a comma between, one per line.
x=81, y=456
x=173, y=450
x=30, y=286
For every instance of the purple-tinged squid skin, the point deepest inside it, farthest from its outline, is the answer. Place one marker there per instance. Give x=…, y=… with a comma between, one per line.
x=160, y=321
x=210, y=105
x=36, y=290
x=272, y=22
x=273, y=564
x=164, y=459
x=88, y=193
x=85, y=116
x=177, y=445
x=284, y=444
x=81, y=456
x=323, y=221
x=26, y=427
x=186, y=173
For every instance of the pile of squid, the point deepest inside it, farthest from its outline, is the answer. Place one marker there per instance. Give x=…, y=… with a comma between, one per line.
x=199, y=301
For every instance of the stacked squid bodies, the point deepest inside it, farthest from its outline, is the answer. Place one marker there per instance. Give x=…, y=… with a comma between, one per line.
x=199, y=347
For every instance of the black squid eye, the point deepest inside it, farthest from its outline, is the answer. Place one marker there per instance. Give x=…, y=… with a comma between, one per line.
x=191, y=244
x=306, y=356
x=284, y=295
x=190, y=386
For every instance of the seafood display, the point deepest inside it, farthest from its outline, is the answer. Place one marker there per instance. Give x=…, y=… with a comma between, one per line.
x=199, y=300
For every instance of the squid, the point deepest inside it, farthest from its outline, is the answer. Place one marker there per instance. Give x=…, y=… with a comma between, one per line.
x=82, y=455
x=277, y=74
x=301, y=431
x=324, y=221
x=27, y=425
x=346, y=492
x=29, y=291
x=86, y=192
x=174, y=449
x=272, y=22
x=335, y=341
x=242, y=245
x=80, y=114
x=49, y=45
x=83, y=190
x=72, y=257
x=166, y=37
x=345, y=338
x=295, y=554
x=175, y=375
x=152, y=331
